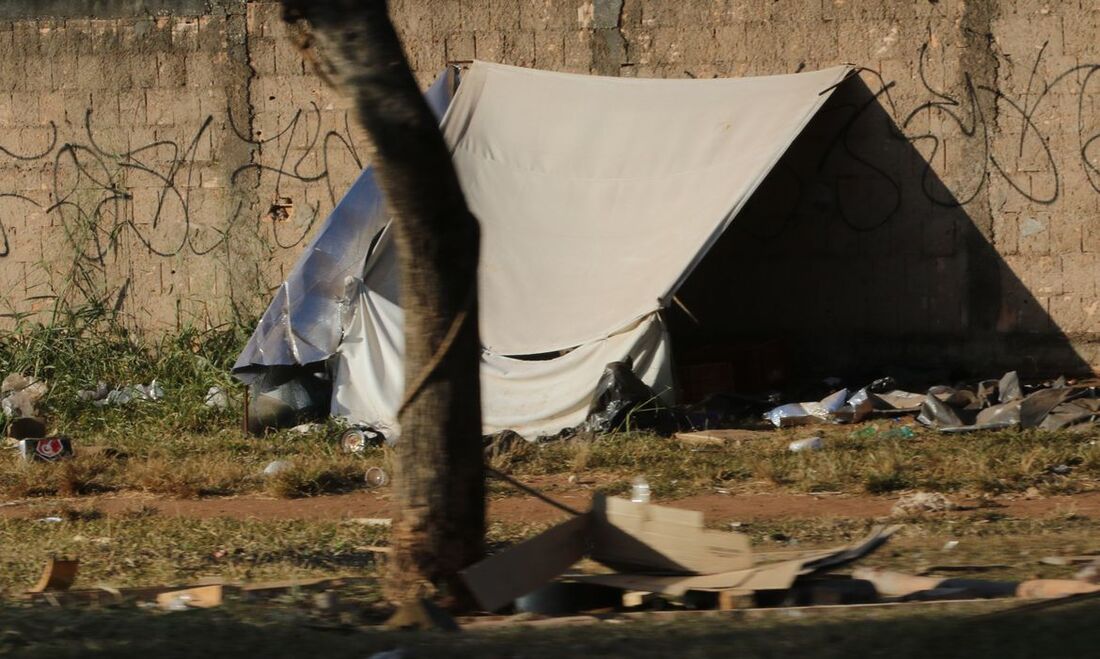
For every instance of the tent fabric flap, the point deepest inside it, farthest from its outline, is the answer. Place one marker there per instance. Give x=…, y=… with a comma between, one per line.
x=531, y=397
x=302, y=325
x=596, y=195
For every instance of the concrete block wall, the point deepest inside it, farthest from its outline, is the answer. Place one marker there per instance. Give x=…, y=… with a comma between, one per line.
x=945, y=205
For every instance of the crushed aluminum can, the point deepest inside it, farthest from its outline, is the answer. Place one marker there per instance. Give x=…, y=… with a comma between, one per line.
x=356, y=440
x=353, y=440
x=48, y=449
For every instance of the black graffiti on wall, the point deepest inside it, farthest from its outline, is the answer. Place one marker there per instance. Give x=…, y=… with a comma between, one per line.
x=91, y=189
x=961, y=118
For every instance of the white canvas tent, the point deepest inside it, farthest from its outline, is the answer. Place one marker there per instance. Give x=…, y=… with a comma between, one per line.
x=597, y=197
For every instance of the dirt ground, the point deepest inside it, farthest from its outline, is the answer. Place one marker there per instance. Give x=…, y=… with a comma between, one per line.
x=525, y=509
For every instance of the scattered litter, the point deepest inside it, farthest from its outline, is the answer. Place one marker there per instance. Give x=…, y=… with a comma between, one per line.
x=48, y=449
x=797, y=414
x=216, y=398
x=1005, y=404
x=950, y=544
x=376, y=477
x=357, y=439
x=20, y=394
x=52, y=519
x=815, y=443
x=639, y=490
x=922, y=502
x=125, y=394
x=304, y=428
x=276, y=467
x=985, y=405
x=100, y=392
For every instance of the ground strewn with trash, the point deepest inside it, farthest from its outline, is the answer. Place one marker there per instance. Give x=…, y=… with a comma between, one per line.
x=156, y=514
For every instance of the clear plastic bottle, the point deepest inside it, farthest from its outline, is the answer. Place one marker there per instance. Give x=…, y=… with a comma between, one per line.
x=639, y=492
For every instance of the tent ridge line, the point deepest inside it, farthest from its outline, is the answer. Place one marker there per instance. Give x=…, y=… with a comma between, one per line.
x=725, y=223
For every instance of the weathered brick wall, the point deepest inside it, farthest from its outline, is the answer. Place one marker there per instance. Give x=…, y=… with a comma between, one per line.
x=943, y=208
x=171, y=164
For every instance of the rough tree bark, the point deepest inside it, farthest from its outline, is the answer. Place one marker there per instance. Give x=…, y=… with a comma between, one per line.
x=439, y=521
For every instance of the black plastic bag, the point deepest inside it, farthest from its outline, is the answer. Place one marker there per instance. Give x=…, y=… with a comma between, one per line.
x=624, y=402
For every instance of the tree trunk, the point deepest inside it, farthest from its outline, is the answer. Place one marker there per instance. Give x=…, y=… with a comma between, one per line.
x=439, y=521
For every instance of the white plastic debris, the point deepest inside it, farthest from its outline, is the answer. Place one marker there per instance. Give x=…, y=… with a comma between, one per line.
x=276, y=467
x=216, y=398
x=128, y=393
x=814, y=443
x=100, y=392
x=19, y=394
x=793, y=414
x=639, y=490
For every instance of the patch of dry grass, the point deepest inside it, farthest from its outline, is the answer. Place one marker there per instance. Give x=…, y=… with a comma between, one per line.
x=312, y=476
x=231, y=463
x=981, y=463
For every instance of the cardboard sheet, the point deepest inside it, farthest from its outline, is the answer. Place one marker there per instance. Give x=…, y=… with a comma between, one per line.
x=516, y=571
x=627, y=535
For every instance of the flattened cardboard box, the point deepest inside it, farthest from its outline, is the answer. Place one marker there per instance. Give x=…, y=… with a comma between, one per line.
x=660, y=549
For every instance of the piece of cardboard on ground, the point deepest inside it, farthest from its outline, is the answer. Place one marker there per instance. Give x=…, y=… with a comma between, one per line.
x=516, y=571
x=616, y=532
x=664, y=550
x=772, y=576
x=632, y=536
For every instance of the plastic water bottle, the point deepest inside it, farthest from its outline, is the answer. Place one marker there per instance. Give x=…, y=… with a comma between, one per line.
x=809, y=444
x=639, y=492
